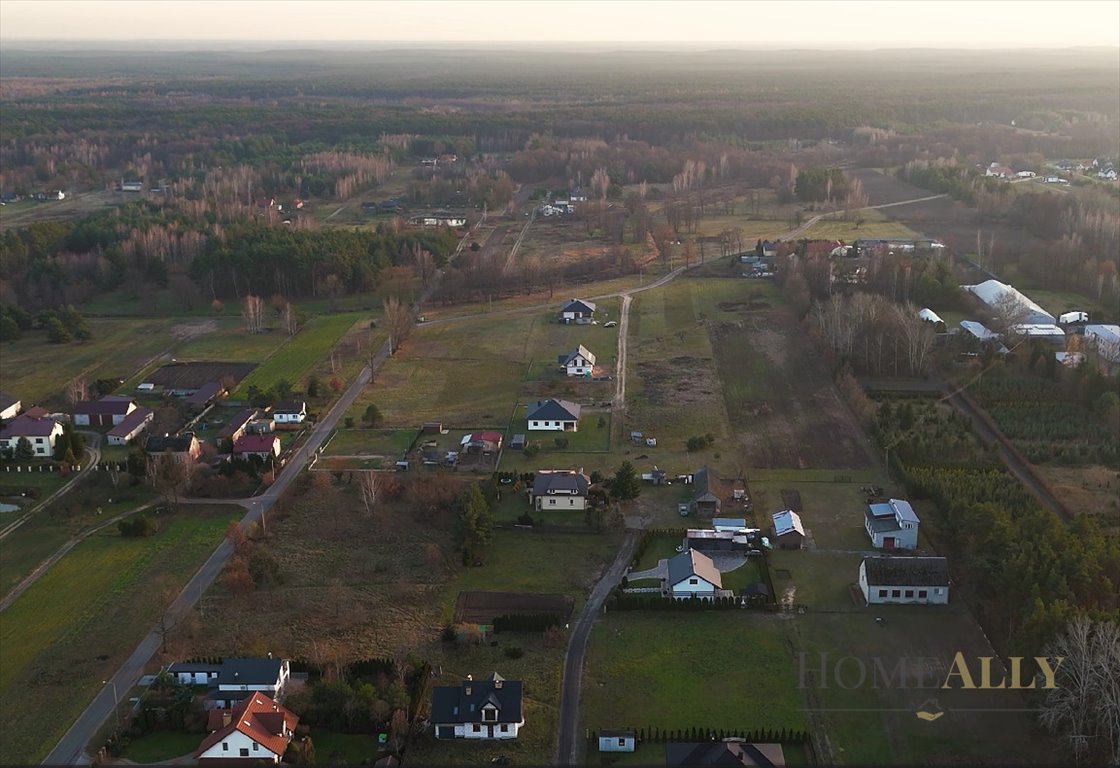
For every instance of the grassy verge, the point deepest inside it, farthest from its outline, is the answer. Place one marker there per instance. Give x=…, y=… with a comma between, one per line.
x=376, y=442
x=159, y=746
x=76, y=625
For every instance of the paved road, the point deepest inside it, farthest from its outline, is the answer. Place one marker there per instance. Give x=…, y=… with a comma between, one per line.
x=568, y=739
x=71, y=748
x=93, y=456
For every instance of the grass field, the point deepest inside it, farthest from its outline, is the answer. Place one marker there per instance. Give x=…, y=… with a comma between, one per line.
x=158, y=746
x=722, y=670
x=38, y=372
x=296, y=358
x=375, y=442
x=231, y=342
x=875, y=225
x=76, y=624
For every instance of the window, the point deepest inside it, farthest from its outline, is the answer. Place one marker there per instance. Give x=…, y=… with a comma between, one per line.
x=256, y=747
x=489, y=715
x=505, y=729
x=622, y=742
x=937, y=590
x=693, y=581
x=909, y=593
x=552, y=502
x=225, y=746
x=244, y=751
x=922, y=594
x=882, y=593
x=477, y=728
x=896, y=593
x=571, y=502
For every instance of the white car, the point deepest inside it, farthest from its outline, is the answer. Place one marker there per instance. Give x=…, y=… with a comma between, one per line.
x=610, y=324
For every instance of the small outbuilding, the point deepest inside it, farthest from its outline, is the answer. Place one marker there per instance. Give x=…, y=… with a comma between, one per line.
x=789, y=533
x=617, y=741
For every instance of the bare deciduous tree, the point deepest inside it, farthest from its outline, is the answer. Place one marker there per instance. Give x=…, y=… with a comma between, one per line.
x=369, y=485
x=1085, y=704
x=77, y=390
x=399, y=318
x=252, y=311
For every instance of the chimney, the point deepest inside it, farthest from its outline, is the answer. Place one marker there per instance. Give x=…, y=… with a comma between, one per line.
x=227, y=717
x=498, y=684
x=236, y=675
x=468, y=690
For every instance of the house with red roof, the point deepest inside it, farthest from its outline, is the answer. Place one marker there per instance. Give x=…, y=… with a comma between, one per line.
x=41, y=432
x=262, y=446
x=481, y=442
x=256, y=729
x=109, y=411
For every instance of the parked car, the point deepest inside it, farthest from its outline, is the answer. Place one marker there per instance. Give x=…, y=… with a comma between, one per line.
x=610, y=324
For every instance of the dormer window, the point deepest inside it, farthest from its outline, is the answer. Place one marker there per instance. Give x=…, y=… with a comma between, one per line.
x=489, y=715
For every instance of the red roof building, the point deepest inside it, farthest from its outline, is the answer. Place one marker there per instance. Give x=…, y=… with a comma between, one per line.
x=257, y=729
x=257, y=445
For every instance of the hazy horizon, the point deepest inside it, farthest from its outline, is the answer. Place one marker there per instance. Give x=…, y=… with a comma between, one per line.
x=807, y=24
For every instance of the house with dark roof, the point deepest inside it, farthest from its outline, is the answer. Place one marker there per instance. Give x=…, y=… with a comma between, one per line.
x=726, y=754
x=40, y=431
x=109, y=411
x=133, y=424
x=561, y=489
x=692, y=574
x=892, y=524
x=577, y=311
x=554, y=416
x=478, y=709
x=254, y=730
x=907, y=580
x=195, y=673
x=264, y=447
x=707, y=492
x=205, y=395
x=289, y=414
x=184, y=447
x=789, y=533
x=578, y=362
x=238, y=679
x=236, y=426
x=9, y=406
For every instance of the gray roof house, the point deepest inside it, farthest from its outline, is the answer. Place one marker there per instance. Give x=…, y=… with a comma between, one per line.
x=554, y=415
x=892, y=525
x=907, y=580
x=705, y=498
x=478, y=709
x=579, y=362
x=559, y=489
x=693, y=574
x=577, y=311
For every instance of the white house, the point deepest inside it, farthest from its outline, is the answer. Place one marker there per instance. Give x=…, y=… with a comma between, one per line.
x=1104, y=342
x=132, y=425
x=478, y=709
x=692, y=574
x=9, y=407
x=238, y=679
x=579, y=362
x=906, y=580
x=554, y=416
x=288, y=413
x=257, y=729
x=1025, y=174
x=263, y=447
x=1108, y=174
x=559, y=489
x=40, y=432
x=892, y=525
x=109, y=411
x=195, y=673
x=577, y=311
x=789, y=533
x=617, y=741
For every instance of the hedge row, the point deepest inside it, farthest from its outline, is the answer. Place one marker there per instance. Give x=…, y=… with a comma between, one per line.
x=756, y=736
x=537, y=622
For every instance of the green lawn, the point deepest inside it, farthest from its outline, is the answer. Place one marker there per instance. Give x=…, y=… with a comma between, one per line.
x=728, y=670
x=77, y=624
x=300, y=354
x=38, y=372
x=343, y=748
x=159, y=746
x=231, y=342
x=875, y=225
x=594, y=434
x=376, y=442
x=659, y=548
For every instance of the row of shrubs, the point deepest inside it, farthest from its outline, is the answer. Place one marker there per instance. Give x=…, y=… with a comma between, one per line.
x=538, y=622
x=642, y=602
x=756, y=736
x=138, y=527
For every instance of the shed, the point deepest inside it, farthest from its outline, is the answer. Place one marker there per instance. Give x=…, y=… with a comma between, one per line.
x=617, y=741
x=518, y=442
x=432, y=427
x=788, y=530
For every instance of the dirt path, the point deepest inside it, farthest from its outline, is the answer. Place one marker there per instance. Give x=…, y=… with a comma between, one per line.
x=337, y=211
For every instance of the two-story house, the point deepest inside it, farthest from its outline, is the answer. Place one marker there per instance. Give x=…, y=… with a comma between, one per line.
x=254, y=730
x=892, y=525
x=478, y=709
x=579, y=362
x=559, y=489
x=41, y=432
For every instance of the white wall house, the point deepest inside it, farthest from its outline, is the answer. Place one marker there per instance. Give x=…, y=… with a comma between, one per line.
x=577, y=311
x=617, y=741
x=258, y=729
x=41, y=433
x=554, y=416
x=559, y=489
x=904, y=580
x=892, y=525
x=289, y=412
x=478, y=709
x=579, y=362
x=692, y=574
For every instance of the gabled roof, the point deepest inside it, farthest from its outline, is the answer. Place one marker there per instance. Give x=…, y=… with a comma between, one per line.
x=290, y=406
x=237, y=422
x=205, y=393
x=7, y=401
x=692, y=563
x=566, y=483
x=903, y=511
x=992, y=292
x=28, y=426
x=255, y=444
x=111, y=405
x=133, y=420
x=907, y=571
x=787, y=521
x=250, y=672
x=704, y=482
x=734, y=754
x=258, y=717
x=174, y=443
x=580, y=351
x=554, y=410
x=464, y=703
x=578, y=305
x=929, y=315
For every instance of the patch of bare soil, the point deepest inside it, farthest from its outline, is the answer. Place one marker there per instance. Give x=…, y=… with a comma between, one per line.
x=1094, y=489
x=791, y=499
x=677, y=383
x=743, y=306
x=186, y=331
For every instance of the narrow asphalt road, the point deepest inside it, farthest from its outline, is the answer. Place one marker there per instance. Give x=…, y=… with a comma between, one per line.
x=567, y=734
x=71, y=748
x=93, y=456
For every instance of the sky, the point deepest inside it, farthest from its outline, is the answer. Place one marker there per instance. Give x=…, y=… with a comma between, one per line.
x=791, y=23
